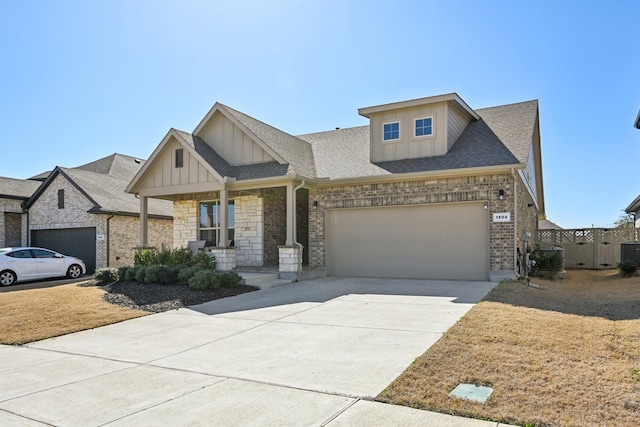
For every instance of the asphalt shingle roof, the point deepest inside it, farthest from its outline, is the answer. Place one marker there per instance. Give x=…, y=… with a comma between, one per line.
x=502, y=136
x=17, y=188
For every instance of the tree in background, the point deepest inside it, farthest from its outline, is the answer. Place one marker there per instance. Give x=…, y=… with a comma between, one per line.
x=625, y=221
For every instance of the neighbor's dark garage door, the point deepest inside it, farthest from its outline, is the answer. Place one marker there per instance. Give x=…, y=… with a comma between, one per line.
x=78, y=242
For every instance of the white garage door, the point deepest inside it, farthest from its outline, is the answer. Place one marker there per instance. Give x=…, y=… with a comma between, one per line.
x=449, y=241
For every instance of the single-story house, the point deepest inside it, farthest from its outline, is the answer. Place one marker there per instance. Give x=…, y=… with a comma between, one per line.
x=430, y=188
x=13, y=218
x=85, y=212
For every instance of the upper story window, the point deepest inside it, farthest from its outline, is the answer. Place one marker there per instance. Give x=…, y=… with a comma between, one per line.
x=391, y=131
x=424, y=126
x=179, y=157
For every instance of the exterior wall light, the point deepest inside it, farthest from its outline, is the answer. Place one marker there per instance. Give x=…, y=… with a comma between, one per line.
x=315, y=205
x=501, y=194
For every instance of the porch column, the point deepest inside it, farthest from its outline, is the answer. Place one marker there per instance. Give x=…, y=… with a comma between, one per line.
x=291, y=211
x=223, y=236
x=143, y=222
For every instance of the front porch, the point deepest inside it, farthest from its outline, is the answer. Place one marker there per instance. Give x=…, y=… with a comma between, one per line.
x=262, y=228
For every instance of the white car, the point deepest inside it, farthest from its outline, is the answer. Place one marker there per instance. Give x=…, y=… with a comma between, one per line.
x=20, y=264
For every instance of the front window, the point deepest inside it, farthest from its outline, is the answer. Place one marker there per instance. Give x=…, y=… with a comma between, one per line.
x=209, y=227
x=391, y=131
x=424, y=126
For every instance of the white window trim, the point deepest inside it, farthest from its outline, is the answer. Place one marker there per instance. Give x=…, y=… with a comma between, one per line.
x=399, y=138
x=433, y=125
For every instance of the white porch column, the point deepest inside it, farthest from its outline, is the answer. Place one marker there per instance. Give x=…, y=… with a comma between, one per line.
x=143, y=222
x=291, y=211
x=223, y=236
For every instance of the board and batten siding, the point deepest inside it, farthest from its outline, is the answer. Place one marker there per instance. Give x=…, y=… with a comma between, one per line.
x=457, y=121
x=408, y=146
x=166, y=178
x=232, y=143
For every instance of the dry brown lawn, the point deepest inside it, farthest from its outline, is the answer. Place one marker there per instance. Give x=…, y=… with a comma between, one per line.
x=566, y=354
x=31, y=315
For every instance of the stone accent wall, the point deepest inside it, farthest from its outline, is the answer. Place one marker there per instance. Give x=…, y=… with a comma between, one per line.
x=185, y=222
x=275, y=223
x=249, y=231
x=289, y=262
x=124, y=237
x=225, y=258
x=9, y=227
x=478, y=188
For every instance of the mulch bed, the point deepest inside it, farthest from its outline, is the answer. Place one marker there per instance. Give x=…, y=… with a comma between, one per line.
x=159, y=298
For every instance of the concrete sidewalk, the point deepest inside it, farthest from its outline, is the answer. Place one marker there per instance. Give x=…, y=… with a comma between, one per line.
x=300, y=354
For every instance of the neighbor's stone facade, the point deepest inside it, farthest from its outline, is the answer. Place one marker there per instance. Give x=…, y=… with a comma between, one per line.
x=480, y=188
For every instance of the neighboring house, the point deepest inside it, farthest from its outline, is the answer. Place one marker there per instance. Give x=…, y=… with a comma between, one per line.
x=431, y=188
x=634, y=209
x=545, y=224
x=85, y=212
x=13, y=218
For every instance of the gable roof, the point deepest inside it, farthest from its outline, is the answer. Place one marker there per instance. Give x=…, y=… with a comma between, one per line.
x=501, y=136
x=21, y=189
x=103, y=183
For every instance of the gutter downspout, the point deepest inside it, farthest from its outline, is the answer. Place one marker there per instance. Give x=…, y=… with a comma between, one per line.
x=27, y=231
x=515, y=224
x=109, y=239
x=295, y=229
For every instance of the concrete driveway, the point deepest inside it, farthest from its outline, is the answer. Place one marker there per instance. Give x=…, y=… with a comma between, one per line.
x=300, y=354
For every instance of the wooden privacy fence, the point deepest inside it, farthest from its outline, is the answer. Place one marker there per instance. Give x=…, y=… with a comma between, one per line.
x=590, y=248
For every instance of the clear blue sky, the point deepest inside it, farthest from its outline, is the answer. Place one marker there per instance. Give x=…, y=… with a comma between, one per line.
x=81, y=80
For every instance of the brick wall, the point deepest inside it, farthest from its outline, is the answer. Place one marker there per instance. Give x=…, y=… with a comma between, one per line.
x=422, y=191
x=8, y=223
x=124, y=236
x=275, y=223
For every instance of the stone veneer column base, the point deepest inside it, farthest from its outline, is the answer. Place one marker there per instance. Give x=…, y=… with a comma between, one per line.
x=225, y=258
x=290, y=262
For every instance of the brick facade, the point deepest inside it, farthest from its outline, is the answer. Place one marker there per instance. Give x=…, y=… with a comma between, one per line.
x=13, y=223
x=124, y=231
x=480, y=188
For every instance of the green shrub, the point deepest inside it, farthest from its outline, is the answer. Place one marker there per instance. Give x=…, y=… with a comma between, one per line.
x=106, y=275
x=122, y=274
x=131, y=273
x=145, y=256
x=181, y=256
x=204, y=279
x=141, y=273
x=157, y=274
x=547, y=261
x=628, y=268
x=204, y=260
x=229, y=279
x=168, y=257
x=187, y=273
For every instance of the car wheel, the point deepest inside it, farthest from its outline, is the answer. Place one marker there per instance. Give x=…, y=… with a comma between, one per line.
x=7, y=278
x=74, y=271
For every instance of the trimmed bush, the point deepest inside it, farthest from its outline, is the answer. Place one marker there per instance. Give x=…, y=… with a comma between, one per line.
x=157, y=274
x=229, y=279
x=106, y=275
x=548, y=262
x=628, y=268
x=122, y=274
x=185, y=274
x=204, y=260
x=141, y=272
x=204, y=279
x=131, y=273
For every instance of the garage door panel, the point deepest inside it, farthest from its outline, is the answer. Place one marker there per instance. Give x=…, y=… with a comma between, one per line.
x=78, y=242
x=439, y=242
